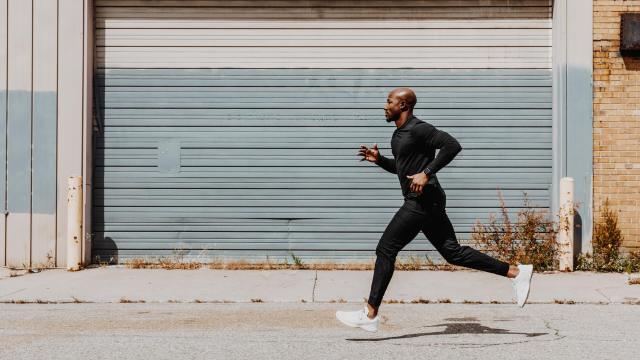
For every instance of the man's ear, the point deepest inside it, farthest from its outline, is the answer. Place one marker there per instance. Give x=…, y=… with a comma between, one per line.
x=404, y=106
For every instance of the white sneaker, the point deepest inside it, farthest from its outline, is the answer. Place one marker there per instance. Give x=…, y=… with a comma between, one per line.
x=358, y=319
x=522, y=283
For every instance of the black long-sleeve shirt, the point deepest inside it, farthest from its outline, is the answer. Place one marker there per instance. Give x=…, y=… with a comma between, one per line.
x=414, y=147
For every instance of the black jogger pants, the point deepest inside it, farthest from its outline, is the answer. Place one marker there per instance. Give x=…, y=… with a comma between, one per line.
x=427, y=214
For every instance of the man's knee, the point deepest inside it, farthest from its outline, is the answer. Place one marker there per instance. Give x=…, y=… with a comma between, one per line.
x=386, y=252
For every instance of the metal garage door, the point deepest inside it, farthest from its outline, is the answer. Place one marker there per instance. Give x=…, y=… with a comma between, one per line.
x=229, y=128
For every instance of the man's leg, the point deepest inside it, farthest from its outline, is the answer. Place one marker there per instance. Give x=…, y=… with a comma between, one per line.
x=441, y=234
x=403, y=228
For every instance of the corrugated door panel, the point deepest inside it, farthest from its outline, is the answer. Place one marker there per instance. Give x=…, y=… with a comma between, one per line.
x=236, y=136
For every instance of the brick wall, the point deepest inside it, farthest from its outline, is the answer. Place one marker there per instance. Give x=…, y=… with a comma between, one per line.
x=616, y=126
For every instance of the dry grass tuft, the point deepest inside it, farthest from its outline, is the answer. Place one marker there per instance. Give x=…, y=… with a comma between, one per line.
x=393, y=301
x=634, y=281
x=471, y=302
x=413, y=263
x=444, y=301
x=124, y=300
x=420, y=301
x=244, y=265
x=562, y=301
x=256, y=300
x=166, y=264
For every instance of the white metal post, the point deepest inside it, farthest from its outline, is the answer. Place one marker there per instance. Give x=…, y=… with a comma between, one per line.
x=566, y=214
x=74, y=223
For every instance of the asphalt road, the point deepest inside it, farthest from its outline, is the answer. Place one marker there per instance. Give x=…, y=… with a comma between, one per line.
x=310, y=331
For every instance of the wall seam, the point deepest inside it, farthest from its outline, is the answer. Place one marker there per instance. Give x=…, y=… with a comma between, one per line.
x=33, y=25
x=6, y=145
x=55, y=250
x=82, y=141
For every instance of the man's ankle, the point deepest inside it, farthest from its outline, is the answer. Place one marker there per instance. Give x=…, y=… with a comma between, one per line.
x=371, y=312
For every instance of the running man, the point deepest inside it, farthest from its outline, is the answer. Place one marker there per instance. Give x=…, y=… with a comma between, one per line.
x=414, y=144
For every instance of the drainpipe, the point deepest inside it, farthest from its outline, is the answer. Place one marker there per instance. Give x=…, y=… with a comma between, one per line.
x=74, y=223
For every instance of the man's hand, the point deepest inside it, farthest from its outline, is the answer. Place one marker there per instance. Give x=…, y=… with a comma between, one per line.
x=418, y=181
x=369, y=154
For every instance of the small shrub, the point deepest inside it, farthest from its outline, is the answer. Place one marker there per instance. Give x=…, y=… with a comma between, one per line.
x=531, y=239
x=632, y=263
x=607, y=240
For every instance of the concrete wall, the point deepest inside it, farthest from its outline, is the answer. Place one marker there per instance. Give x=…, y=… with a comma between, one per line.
x=44, y=61
x=616, y=128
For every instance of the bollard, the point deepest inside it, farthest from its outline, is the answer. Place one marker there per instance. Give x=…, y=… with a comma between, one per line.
x=565, y=234
x=74, y=223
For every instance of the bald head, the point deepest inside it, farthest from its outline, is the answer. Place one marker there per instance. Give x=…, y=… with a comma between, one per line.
x=405, y=94
x=400, y=104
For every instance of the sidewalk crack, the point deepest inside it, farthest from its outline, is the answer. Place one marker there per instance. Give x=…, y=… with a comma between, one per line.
x=556, y=332
x=603, y=295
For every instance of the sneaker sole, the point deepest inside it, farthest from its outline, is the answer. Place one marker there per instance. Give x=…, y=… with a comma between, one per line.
x=344, y=322
x=368, y=328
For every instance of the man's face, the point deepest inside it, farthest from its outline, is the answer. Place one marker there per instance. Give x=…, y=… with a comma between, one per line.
x=393, y=108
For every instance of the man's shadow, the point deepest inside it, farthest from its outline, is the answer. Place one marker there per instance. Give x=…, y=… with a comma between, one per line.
x=458, y=328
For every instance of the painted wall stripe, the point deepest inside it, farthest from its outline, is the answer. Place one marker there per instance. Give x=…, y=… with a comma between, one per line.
x=158, y=39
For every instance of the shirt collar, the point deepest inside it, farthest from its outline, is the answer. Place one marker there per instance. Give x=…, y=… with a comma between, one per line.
x=410, y=119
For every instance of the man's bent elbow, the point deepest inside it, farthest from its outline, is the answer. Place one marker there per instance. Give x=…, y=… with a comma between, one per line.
x=456, y=147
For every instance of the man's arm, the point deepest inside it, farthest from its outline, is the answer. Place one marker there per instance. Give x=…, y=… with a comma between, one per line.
x=448, y=147
x=387, y=164
x=373, y=155
x=433, y=138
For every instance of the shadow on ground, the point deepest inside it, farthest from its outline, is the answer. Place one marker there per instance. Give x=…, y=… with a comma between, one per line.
x=458, y=328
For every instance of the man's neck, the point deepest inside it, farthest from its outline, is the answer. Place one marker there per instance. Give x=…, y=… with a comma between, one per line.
x=404, y=117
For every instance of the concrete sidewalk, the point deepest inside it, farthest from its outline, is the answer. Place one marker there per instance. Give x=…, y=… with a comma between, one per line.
x=118, y=284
